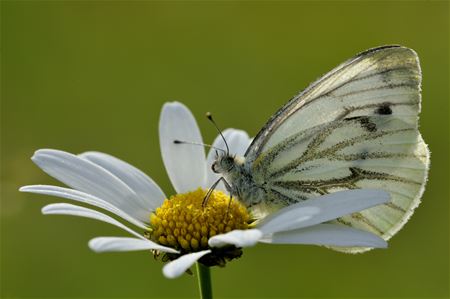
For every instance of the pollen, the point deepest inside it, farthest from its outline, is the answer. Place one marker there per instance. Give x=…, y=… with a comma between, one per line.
x=186, y=223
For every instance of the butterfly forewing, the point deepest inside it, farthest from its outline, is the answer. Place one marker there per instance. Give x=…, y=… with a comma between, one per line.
x=356, y=127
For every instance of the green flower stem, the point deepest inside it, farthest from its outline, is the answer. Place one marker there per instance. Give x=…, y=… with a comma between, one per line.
x=204, y=281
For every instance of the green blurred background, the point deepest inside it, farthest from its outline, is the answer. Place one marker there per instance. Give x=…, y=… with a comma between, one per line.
x=83, y=76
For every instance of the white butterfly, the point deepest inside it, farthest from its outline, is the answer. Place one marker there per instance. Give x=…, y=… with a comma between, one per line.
x=356, y=127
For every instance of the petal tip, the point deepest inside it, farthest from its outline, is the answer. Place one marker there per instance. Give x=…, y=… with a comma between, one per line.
x=49, y=209
x=173, y=104
x=43, y=151
x=93, y=245
x=169, y=274
x=43, y=211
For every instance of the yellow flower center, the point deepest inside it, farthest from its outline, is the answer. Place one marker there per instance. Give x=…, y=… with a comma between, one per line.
x=185, y=223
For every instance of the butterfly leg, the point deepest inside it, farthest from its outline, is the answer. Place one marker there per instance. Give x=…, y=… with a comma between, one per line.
x=210, y=191
x=227, y=185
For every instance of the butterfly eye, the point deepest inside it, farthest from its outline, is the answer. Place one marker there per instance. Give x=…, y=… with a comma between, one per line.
x=213, y=167
x=228, y=163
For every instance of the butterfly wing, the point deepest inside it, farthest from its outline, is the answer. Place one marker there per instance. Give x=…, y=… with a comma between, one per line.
x=356, y=127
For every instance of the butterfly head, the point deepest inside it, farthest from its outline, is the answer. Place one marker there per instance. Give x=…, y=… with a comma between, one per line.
x=224, y=163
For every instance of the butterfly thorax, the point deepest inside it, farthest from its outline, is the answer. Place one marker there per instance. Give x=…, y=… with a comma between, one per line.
x=242, y=184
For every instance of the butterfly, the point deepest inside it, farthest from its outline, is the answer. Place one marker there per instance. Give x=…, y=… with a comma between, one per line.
x=356, y=127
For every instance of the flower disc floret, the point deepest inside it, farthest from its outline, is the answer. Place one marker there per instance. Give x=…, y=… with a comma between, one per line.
x=186, y=223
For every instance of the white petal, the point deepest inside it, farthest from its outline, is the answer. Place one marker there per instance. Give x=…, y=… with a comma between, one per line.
x=185, y=163
x=177, y=267
x=81, y=197
x=322, y=209
x=110, y=244
x=90, y=178
x=238, y=142
x=147, y=190
x=69, y=209
x=327, y=234
x=238, y=238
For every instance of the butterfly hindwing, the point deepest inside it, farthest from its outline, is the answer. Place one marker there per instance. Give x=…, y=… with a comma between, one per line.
x=356, y=127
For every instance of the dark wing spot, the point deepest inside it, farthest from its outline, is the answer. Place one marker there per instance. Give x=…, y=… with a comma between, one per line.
x=384, y=109
x=352, y=118
x=364, y=122
x=367, y=124
x=364, y=155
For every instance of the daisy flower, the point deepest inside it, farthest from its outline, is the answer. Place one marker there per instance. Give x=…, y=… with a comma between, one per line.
x=184, y=229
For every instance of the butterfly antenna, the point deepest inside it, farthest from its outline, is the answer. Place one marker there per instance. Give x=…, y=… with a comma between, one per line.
x=176, y=141
x=209, y=116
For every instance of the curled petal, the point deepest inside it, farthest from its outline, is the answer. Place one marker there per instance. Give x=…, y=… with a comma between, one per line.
x=82, y=197
x=177, y=267
x=68, y=209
